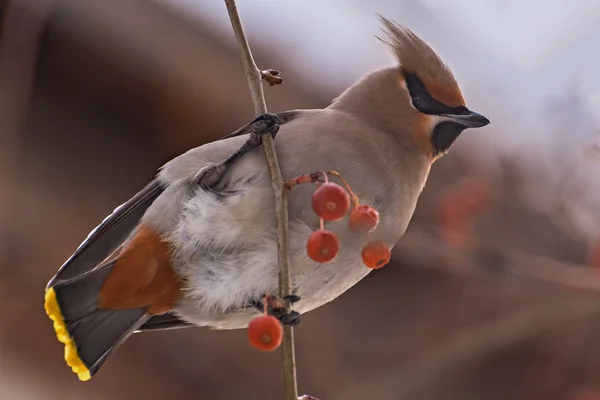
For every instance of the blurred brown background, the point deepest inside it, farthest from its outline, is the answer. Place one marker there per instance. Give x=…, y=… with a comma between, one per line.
x=95, y=95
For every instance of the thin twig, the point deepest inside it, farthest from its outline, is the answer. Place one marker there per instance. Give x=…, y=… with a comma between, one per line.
x=254, y=77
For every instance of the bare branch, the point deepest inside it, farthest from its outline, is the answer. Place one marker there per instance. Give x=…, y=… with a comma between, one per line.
x=254, y=76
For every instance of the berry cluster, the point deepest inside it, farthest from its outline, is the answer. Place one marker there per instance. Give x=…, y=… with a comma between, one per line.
x=330, y=202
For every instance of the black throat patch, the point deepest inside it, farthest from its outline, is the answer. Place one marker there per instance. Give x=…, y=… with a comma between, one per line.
x=443, y=135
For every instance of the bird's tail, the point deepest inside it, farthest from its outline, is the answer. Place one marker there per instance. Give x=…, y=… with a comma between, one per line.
x=90, y=334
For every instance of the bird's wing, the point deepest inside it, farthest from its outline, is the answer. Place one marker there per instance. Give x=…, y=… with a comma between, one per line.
x=164, y=322
x=184, y=168
x=109, y=235
x=117, y=227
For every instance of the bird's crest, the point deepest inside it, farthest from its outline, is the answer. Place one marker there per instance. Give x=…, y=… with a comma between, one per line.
x=418, y=58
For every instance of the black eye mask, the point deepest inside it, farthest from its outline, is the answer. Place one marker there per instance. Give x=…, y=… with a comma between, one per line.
x=424, y=102
x=445, y=133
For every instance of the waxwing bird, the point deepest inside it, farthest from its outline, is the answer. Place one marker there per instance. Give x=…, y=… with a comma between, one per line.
x=197, y=246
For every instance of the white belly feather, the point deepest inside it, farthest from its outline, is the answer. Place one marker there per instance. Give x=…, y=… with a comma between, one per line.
x=225, y=247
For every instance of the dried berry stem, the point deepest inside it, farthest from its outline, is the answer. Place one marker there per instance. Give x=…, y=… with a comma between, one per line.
x=315, y=177
x=265, y=300
x=253, y=74
x=353, y=197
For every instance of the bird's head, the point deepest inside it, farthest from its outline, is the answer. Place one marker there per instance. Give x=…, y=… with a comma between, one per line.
x=430, y=95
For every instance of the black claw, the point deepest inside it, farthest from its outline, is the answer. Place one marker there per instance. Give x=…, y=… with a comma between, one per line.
x=259, y=125
x=266, y=123
x=263, y=123
x=293, y=298
x=274, y=131
x=279, y=313
x=268, y=117
x=277, y=309
x=292, y=319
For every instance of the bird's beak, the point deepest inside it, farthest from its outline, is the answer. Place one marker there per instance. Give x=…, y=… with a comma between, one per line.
x=470, y=119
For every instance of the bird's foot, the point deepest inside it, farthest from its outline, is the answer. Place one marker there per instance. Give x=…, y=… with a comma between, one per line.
x=264, y=123
x=211, y=175
x=278, y=308
x=291, y=319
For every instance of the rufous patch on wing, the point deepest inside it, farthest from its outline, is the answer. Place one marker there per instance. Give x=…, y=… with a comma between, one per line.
x=142, y=276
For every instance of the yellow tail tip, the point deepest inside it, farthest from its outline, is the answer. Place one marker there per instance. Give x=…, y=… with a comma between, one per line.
x=71, y=356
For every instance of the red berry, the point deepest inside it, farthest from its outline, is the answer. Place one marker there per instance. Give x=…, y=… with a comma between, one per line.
x=322, y=246
x=376, y=254
x=363, y=218
x=265, y=333
x=330, y=202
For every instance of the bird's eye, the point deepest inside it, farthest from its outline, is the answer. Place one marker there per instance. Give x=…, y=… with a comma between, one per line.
x=420, y=103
